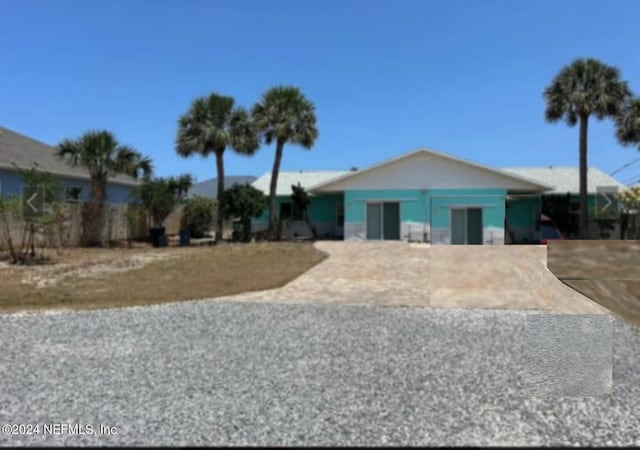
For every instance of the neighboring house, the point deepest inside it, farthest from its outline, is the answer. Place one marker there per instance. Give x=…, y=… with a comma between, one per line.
x=209, y=188
x=422, y=195
x=26, y=153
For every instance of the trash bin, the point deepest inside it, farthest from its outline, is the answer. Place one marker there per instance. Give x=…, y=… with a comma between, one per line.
x=158, y=237
x=237, y=230
x=185, y=237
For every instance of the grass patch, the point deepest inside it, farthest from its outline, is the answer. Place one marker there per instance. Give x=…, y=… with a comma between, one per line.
x=105, y=278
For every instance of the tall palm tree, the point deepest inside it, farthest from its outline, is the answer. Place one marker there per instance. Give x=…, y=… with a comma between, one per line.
x=104, y=157
x=284, y=115
x=585, y=88
x=628, y=123
x=211, y=125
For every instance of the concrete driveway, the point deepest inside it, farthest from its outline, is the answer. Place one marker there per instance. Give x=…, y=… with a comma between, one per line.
x=401, y=274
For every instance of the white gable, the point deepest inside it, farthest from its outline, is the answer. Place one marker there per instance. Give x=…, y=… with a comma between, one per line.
x=425, y=169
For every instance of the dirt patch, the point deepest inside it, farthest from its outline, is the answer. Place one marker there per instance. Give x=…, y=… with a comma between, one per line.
x=100, y=278
x=45, y=276
x=608, y=272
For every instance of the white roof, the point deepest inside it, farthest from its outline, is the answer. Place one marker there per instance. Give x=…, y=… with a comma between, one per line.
x=566, y=179
x=305, y=178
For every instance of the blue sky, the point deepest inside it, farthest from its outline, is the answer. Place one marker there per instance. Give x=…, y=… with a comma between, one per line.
x=463, y=77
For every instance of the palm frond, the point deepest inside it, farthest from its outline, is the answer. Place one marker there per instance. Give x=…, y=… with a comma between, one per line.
x=284, y=114
x=583, y=88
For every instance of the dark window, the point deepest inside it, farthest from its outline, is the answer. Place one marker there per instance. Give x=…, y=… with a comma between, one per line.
x=73, y=194
x=290, y=211
x=285, y=211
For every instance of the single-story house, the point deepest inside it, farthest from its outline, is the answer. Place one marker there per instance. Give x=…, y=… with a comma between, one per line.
x=428, y=196
x=27, y=153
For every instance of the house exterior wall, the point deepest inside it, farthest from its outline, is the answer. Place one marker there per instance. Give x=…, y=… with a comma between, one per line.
x=491, y=201
x=428, y=212
x=522, y=216
x=428, y=171
x=414, y=214
x=322, y=212
x=11, y=185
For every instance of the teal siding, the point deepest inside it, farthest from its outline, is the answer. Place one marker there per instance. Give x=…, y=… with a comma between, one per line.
x=321, y=209
x=492, y=202
x=412, y=204
x=521, y=211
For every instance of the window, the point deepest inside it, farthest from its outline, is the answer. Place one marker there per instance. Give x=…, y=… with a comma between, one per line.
x=285, y=211
x=73, y=194
x=290, y=211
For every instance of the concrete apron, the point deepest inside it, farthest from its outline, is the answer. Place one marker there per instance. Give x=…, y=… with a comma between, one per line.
x=400, y=274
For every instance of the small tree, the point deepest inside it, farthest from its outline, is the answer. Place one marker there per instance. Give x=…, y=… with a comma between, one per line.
x=198, y=215
x=158, y=197
x=134, y=215
x=243, y=202
x=301, y=199
x=9, y=216
x=50, y=224
x=181, y=184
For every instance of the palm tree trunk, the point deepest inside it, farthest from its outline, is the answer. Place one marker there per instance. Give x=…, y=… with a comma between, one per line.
x=272, y=188
x=584, y=212
x=219, y=218
x=92, y=219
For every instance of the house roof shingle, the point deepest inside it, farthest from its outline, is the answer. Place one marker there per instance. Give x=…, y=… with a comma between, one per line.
x=566, y=179
x=26, y=153
x=306, y=179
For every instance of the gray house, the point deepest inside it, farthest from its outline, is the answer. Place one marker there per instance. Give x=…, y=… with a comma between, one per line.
x=209, y=188
x=26, y=153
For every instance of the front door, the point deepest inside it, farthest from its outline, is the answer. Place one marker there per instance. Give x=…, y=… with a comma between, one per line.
x=466, y=226
x=383, y=221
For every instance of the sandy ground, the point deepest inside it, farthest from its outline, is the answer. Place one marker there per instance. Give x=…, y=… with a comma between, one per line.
x=86, y=263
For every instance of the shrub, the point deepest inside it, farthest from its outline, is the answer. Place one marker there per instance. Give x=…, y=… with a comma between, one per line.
x=158, y=198
x=198, y=215
x=243, y=202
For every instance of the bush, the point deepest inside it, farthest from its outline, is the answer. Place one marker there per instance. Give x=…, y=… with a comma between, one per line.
x=158, y=198
x=198, y=215
x=242, y=202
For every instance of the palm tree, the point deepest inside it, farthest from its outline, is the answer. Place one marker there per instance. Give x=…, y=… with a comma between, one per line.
x=211, y=125
x=104, y=157
x=584, y=88
x=628, y=123
x=283, y=116
x=181, y=184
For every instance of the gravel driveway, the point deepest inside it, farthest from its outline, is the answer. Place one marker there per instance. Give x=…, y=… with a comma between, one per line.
x=274, y=374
